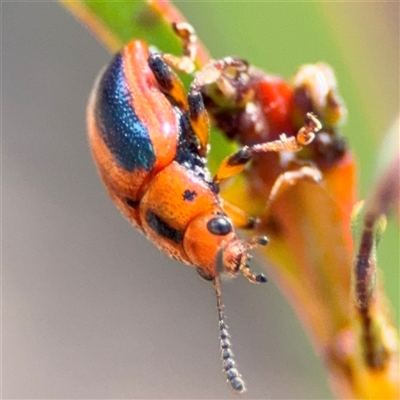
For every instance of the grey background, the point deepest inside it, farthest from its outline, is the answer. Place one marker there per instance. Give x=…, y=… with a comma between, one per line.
x=90, y=308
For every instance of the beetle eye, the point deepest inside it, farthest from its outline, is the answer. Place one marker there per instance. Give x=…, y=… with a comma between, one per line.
x=219, y=226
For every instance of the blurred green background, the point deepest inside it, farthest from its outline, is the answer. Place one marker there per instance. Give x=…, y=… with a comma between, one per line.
x=359, y=39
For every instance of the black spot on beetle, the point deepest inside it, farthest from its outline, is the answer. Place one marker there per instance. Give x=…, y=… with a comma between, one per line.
x=163, y=228
x=189, y=195
x=132, y=203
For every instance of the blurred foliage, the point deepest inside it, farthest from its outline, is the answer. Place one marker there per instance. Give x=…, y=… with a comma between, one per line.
x=359, y=40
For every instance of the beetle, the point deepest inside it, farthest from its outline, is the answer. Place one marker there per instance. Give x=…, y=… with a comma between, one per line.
x=149, y=141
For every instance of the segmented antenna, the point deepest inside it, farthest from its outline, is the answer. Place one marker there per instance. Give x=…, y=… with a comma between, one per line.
x=232, y=374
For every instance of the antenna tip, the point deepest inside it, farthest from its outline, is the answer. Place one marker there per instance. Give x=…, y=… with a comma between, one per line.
x=234, y=378
x=261, y=278
x=262, y=240
x=238, y=385
x=232, y=374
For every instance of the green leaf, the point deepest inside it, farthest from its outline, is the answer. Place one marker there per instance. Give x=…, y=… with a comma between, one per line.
x=118, y=23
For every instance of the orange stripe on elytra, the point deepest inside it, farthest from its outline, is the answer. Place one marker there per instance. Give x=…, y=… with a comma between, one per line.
x=150, y=105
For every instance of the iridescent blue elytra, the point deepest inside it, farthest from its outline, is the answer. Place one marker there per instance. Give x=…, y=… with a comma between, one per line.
x=124, y=134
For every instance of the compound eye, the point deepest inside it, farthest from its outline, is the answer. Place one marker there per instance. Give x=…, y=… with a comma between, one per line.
x=219, y=226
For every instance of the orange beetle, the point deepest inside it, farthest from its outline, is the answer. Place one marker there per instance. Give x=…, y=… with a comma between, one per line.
x=150, y=141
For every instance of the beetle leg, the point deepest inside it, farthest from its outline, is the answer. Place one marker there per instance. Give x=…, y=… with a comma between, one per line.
x=192, y=105
x=290, y=178
x=199, y=120
x=235, y=163
x=218, y=76
x=168, y=81
x=161, y=64
x=220, y=79
x=184, y=63
x=238, y=216
x=224, y=78
x=225, y=82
